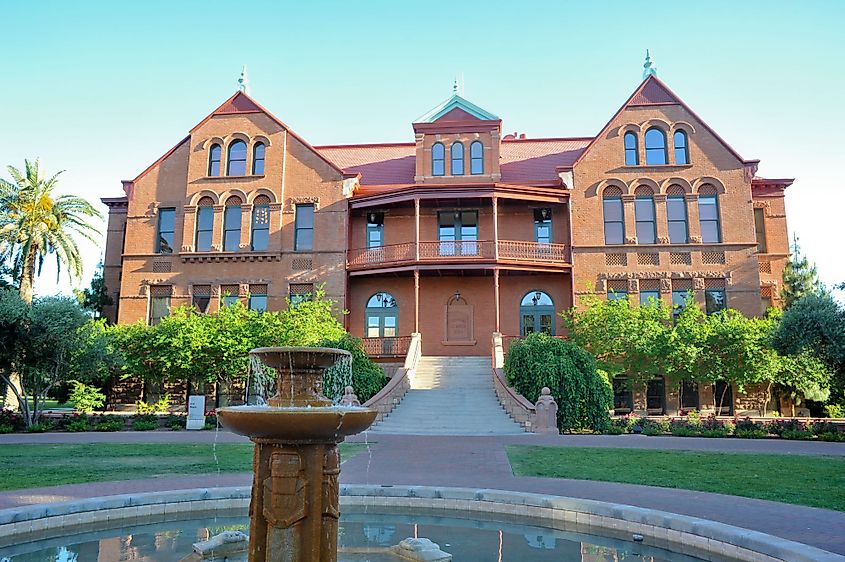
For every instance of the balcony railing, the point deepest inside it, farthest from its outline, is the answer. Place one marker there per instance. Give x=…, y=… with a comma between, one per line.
x=458, y=250
x=387, y=347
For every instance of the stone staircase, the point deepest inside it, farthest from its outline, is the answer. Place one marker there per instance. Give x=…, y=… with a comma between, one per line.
x=450, y=396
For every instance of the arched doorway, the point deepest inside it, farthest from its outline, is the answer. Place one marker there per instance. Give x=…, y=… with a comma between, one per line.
x=536, y=313
x=382, y=316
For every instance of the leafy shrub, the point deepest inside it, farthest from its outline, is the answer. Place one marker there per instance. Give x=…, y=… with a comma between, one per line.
x=6, y=428
x=86, y=398
x=801, y=434
x=367, y=376
x=40, y=426
x=820, y=427
x=833, y=436
x=835, y=410
x=633, y=422
x=747, y=424
x=750, y=433
x=11, y=419
x=656, y=427
x=210, y=420
x=109, y=422
x=175, y=422
x=583, y=395
x=77, y=423
x=682, y=428
x=713, y=427
x=617, y=426
x=145, y=422
x=779, y=427
x=159, y=407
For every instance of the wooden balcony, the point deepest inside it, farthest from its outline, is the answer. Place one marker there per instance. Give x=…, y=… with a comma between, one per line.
x=387, y=347
x=458, y=251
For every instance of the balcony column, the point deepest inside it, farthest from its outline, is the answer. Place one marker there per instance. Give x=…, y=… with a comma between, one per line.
x=416, y=301
x=417, y=229
x=496, y=249
x=496, y=295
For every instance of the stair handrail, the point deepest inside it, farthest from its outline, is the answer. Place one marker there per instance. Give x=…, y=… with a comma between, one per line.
x=389, y=397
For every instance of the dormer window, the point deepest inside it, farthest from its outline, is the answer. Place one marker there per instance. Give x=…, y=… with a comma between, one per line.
x=476, y=158
x=457, y=159
x=438, y=159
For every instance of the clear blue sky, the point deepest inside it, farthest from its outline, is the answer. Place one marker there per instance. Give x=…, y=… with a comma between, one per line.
x=102, y=89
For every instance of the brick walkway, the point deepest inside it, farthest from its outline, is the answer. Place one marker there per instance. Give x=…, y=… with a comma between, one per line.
x=481, y=462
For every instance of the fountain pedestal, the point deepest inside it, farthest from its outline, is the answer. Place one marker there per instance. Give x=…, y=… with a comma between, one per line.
x=294, y=508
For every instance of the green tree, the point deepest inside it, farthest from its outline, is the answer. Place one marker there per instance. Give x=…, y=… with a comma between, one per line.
x=35, y=222
x=799, y=277
x=95, y=297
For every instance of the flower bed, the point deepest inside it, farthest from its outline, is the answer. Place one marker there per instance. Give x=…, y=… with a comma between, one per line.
x=13, y=422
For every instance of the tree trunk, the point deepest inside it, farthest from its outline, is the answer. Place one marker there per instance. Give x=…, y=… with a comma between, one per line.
x=28, y=277
x=13, y=384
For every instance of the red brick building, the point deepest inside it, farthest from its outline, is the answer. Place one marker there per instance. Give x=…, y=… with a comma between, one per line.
x=463, y=232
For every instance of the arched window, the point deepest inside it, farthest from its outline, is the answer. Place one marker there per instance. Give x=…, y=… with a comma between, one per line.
x=236, y=161
x=214, y=154
x=232, y=224
x=260, y=224
x=382, y=316
x=645, y=217
x=681, y=148
x=708, y=213
x=457, y=159
x=205, y=224
x=536, y=313
x=438, y=159
x=655, y=147
x=632, y=155
x=676, y=211
x=258, y=159
x=614, y=216
x=476, y=158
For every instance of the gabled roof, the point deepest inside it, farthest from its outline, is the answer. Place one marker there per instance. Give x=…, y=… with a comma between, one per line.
x=652, y=91
x=453, y=103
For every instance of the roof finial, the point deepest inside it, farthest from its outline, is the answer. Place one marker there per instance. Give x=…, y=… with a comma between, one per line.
x=243, y=81
x=648, y=66
x=455, y=86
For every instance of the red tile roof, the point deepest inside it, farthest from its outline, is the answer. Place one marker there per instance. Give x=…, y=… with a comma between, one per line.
x=522, y=161
x=653, y=92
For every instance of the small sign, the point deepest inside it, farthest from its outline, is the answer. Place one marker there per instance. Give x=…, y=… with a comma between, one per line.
x=196, y=412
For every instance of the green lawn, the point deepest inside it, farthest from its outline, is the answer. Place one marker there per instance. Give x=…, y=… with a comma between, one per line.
x=798, y=479
x=38, y=465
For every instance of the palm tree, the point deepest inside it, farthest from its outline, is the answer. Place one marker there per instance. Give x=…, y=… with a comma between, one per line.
x=34, y=222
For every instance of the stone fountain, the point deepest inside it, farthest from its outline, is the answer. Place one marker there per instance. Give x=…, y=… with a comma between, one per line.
x=294, y=508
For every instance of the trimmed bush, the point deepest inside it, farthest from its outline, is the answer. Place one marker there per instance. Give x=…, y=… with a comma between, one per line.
x=175, y=422
x=108, y=422
x=584, y=396
x=145, y=422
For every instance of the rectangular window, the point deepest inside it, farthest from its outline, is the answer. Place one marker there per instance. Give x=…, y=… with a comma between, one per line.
x=166, y=228
x=375, y=230
x=300, y=292
x=260, y=228
x=714, y=300
x=654, y=396
x=258, y=297
x=458, y=233
x=205, y=228
x=232, y=229
x=304, y=228
x=623, y=398
x=159, y=303
x=689, y=395
x=708, y=211
x=229, y=295
x=614, y=222
x=679, y=301
x=646, y=224
x=201, y=297
x=676, y=209
x=760, y=229
x=616, y=295
x=543, y=226
x=649, y=297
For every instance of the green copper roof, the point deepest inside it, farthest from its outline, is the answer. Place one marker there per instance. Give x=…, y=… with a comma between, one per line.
x=452, y=103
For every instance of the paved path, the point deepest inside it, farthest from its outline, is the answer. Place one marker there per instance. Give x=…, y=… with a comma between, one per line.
x=481, y=462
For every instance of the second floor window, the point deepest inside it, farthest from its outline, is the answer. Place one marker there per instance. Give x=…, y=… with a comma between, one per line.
x=260, y=224
x=304, y=228
x=438, y=159
x=655, y=147
x=232, y=225
x=457, y=159
x=258, y=159
x=236, y=162
x=375, y=230
x=681, y=148
x=214, y=160
x=458, y=233
x=714, y=301
x=205, y=224
x=257, y=298
x=543, y=226
x=646, y=224
x=614, y=221
x=166, y=229
x=159, y=303
x=760, y=229
x=676, y=210
x=708, y=212
x=632, y=156
x=476, y=158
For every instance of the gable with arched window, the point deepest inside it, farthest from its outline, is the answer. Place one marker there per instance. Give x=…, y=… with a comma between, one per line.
x=632, y=155
x=232, y=224
x=236, y=159
x=644, y=214
x=476, y=158
x=258, y=159
x=205, y=224
x=708, y=214
x=681, y=147
x=655, y=147
x=457, y=158
x=214, y=155
x=260, y=224
x=614, y=216
x=438, y=159
x=536, y=313
x=382, y=316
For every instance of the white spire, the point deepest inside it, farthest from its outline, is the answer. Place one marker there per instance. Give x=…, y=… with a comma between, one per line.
x=648, y=66
x=243, y=81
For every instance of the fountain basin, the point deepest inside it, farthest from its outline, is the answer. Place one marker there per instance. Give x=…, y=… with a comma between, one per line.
x=296, y=424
